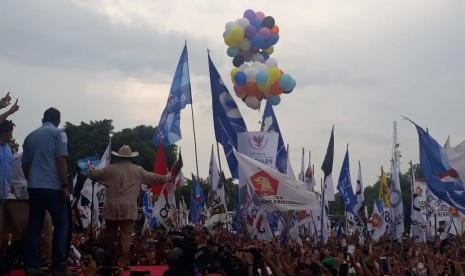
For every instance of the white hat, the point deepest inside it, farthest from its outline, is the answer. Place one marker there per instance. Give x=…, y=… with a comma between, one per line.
x=125, y=151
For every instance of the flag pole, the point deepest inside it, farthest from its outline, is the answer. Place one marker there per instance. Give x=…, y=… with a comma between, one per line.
x=322, y=208
x=218, y=153
x=193, y=126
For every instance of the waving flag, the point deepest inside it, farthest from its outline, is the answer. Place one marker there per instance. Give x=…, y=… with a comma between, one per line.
x=98, y=189
x=360, y=205
x=197, y=201
x=442, y=179
x=227, y=118
x=261, y=226
x=384, y=189
x=344, y=185
x=327, y=168
x=176, y=169
x=169, y=129
x=396, y=210
x=159, y=167
x=270, y=124
x=275, y=191
x=165, y=206
x=419, y=223
x=213, y=172
x=309, y=176
x=377, y=220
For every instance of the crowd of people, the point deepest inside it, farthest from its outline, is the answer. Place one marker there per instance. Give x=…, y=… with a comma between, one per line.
x=197, y=252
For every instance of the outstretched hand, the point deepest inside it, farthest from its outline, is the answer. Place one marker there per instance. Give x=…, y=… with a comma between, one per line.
x=5, y=101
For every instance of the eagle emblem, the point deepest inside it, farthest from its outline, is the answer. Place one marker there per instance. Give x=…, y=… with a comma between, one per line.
x=264, y=184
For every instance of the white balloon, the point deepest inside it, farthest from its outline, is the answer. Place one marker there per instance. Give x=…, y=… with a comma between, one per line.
x=258, y=57
x=271, y=62
x=243, y=22
x=243, y=66
x=252, y=102
x=245, y=44
x=230, y=25
x=250, y=73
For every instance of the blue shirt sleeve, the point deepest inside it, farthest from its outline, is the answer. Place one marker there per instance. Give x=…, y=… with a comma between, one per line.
x=61, y=144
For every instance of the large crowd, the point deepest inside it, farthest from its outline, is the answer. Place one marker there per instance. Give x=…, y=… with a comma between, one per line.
x=196, y=252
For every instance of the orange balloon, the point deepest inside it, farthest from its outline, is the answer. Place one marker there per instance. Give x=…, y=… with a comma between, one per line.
x=275, y=29
x=252, y=90
x=275, y=90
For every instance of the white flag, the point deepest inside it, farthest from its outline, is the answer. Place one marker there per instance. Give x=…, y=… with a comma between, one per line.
x=165, y=206
x=87, y=186
x=377, y=220
x=419, y=223
x=217, y=214
x=276, y=191
x=396, y=209
x=262, y=230
x=309, y=174
x=213, y=172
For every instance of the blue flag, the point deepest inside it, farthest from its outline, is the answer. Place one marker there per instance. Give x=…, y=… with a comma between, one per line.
x=169, y=129
x=83, y=163
x=227, y=118
x=344, y=185
x=197, y=201
x=441, y=178
x=270, y=124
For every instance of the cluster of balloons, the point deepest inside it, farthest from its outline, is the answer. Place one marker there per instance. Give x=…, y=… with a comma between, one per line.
x=256, y=76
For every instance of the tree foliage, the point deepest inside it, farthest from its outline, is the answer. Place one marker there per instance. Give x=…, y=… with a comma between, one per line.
x=88, y=139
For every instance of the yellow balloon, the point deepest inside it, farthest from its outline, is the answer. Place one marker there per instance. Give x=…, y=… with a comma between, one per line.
x=273, y=74
x=237, y=34
x=270, y=50
x=233, y=73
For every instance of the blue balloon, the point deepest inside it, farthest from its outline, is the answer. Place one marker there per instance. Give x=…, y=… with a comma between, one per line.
x=284, y=81
x=265, y=55
x=272, y=39
x=292, y=85
x=256, y=23
x=261, y=77
x=232, y=51
x=240, y=78
x=275, y=100
x=257, y=41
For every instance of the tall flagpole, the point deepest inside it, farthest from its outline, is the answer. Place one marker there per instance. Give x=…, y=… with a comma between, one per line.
x=193, y=124
x=323, y=205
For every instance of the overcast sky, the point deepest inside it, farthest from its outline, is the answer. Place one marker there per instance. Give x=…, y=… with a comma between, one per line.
x=359, y=65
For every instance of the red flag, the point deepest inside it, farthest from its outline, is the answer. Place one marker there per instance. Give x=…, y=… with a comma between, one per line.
x=159, y=167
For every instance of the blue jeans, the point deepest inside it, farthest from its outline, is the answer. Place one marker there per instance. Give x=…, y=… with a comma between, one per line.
x=41, y=200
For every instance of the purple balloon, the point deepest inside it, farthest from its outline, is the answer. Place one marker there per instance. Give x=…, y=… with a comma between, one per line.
x=264, y=32
x=250, y=31
x=249, y=14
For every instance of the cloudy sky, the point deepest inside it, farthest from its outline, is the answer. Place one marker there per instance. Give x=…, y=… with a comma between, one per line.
x=359, y=65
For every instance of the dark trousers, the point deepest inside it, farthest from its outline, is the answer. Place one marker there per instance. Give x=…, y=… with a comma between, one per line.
x=41, y=200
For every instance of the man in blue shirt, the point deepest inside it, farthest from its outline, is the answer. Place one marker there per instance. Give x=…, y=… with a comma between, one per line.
x=6, y=159
x=45, y=168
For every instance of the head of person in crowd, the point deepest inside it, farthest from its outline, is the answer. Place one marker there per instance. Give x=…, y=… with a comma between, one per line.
x=53, y=116
x=6, y=131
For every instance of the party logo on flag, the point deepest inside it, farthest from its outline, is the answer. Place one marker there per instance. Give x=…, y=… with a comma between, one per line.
x=264, y=184
x=376, y=220
x=302, y=215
